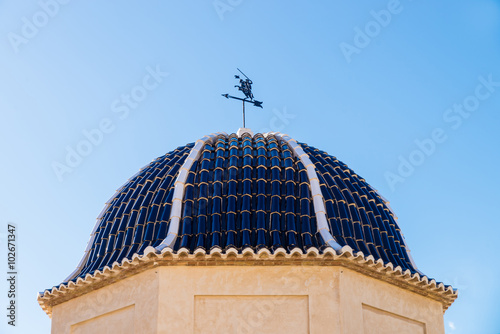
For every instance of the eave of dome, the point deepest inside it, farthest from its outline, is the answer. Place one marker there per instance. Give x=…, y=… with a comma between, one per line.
x=345, y=257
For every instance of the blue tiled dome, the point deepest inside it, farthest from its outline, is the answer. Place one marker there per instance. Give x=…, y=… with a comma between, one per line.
x=245, y=191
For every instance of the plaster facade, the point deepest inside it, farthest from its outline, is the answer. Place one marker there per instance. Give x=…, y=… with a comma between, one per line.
x=249, y=299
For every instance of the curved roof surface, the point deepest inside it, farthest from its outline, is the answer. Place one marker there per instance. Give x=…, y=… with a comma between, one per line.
x=230, y=191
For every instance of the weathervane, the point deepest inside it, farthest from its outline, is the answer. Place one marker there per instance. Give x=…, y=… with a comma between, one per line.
x=246, y=87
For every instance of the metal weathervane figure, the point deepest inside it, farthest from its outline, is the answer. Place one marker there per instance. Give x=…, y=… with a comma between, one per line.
x=246, y=87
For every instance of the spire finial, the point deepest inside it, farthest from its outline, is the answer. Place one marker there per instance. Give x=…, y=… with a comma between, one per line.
x=246, y=87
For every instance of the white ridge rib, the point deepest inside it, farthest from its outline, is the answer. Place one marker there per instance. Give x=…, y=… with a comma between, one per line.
x=317, y=195
x=180, y=182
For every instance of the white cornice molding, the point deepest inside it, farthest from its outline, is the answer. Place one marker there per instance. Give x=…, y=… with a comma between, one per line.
x=152, y=258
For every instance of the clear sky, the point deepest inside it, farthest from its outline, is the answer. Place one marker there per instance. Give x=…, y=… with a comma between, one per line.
x=407, y=93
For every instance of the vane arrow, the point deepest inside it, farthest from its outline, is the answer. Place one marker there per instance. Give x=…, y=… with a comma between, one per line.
x=255, y=102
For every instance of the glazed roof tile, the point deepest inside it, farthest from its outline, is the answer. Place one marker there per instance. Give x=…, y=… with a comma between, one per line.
x=245, y=192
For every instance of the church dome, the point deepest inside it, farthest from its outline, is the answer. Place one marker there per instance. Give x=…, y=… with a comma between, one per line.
x=239, y=191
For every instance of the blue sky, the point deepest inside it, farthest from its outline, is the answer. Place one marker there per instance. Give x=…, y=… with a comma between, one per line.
x=406, y=93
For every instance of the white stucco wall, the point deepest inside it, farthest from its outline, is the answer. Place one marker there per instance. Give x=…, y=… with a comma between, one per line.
x=249, y=299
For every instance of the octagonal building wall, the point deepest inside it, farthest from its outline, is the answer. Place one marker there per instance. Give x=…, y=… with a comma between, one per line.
x=249, y=299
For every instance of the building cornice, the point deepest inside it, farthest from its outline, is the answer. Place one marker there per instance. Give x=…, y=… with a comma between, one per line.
x=345, y=257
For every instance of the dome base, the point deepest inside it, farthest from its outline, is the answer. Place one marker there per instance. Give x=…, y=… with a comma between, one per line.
x=242, y=299
x=261, y=292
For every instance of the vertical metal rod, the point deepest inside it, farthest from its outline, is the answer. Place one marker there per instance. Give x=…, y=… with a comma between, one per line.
x=244, y=114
